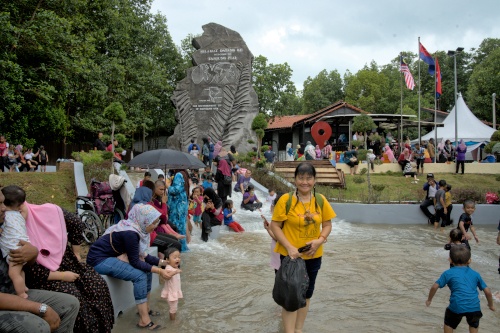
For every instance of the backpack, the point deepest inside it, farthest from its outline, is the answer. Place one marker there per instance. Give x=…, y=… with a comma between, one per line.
x=318, y=197
x=212, y=147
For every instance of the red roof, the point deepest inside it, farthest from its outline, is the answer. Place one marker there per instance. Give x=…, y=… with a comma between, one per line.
x=284, y=121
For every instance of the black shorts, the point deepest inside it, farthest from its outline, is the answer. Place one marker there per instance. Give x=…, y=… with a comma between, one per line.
x=420, y=162
x=452, y=319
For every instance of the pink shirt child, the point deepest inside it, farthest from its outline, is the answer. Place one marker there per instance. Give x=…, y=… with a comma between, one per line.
x=172, y=288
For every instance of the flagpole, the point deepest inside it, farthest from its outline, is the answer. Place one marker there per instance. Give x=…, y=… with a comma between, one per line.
x=401, y=126
x=418, y=53
x=435, y=115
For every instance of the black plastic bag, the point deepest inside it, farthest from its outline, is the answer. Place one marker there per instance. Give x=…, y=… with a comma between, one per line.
x=290, y=284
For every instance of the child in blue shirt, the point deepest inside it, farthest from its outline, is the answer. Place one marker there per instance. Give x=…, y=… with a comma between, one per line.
x=228, y=217
x=463, y=283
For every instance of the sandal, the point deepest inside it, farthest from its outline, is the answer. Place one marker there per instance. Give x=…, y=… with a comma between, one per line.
x=149, y=326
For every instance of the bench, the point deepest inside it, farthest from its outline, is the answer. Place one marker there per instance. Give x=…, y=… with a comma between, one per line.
x=122, y=292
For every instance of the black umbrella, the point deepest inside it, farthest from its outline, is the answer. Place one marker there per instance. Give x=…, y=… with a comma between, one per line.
x=166, y=159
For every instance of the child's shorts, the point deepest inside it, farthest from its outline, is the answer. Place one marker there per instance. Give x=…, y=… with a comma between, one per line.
x=197, y=218
x=452, y=319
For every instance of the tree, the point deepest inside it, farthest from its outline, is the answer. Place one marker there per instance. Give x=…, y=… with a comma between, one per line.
x=322, y=90
x=259, y=124
x=114, y=112
x=272, y=83
x=363, y=124
x=484, y=81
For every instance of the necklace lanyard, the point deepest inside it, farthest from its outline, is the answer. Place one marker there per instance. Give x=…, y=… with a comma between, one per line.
x=308, y=217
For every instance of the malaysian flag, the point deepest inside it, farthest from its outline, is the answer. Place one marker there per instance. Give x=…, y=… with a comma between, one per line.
x=408, y=77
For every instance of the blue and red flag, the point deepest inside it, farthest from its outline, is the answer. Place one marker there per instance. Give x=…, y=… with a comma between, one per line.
x=427, y=58
x=438, y=80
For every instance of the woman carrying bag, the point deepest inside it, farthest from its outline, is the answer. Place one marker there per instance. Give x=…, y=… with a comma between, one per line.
x=302, y=221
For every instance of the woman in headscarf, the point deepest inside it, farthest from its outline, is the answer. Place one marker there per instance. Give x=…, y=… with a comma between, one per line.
x=461, y=150
x=389, y=153
x=289, y=152
x=58, y=234
x=213, y=214
x=223, y=178
x=318, y=152
x=130, y=237
x=178, y=206
x=142, y=195
x=217, y=148
x=309, y=151
x=164, y=236
x=327, y=150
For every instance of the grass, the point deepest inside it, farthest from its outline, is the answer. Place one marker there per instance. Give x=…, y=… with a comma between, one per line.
x=50, y=187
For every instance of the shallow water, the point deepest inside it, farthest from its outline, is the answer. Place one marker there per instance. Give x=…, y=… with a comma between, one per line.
x=374, y=278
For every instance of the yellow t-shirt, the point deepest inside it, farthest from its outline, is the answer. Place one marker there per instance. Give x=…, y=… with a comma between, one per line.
x=295, y=228
x=447, y=198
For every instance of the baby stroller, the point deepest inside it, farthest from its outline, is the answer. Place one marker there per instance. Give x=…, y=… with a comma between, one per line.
x=101, y=208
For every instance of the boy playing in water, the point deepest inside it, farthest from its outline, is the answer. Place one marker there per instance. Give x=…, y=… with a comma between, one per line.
x=465, y=221
x=463, y=283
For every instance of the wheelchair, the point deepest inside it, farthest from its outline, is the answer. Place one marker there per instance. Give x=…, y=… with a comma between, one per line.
x=99, y=209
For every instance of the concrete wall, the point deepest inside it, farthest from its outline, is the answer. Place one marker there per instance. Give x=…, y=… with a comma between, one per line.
x=436, y=168
x=407, y=213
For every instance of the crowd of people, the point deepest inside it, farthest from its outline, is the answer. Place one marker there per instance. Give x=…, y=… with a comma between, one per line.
x=16, y=158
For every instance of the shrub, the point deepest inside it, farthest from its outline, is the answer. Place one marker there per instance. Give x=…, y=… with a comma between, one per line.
x=363, y=171
x=497, y=178
x=495, y=136
x=260, y=163
x=362, y=154
x=264, y=148
x=269, y=181
x=378, y=187
x=459, y=195
x=358, y=180
x=251, y=141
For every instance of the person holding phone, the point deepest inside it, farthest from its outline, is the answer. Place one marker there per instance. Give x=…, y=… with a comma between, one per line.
x=302, y=220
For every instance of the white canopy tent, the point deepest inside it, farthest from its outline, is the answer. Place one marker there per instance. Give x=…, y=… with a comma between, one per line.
x=472, y=130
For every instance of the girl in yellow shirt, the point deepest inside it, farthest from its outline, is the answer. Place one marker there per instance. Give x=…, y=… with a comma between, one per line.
x=306, y=223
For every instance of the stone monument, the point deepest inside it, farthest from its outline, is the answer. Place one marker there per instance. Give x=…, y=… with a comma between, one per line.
x=216, y=99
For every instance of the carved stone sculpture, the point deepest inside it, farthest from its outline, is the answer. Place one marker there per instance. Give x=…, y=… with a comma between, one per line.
x=216, y=99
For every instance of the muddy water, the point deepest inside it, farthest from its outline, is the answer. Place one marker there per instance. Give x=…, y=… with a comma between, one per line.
x=374, y=278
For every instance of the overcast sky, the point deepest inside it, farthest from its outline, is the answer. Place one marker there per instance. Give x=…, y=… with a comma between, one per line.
x=312, y=35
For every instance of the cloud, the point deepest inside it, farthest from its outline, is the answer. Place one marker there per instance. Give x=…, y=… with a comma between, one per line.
x=338, y=35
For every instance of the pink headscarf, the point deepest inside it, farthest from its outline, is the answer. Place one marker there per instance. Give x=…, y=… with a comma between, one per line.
x=217, y=148
x=406, y=153
x=224, y=167
x=388, y=151
x=46, y=229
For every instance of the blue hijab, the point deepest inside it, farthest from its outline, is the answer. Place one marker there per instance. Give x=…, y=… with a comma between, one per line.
x=142, y=195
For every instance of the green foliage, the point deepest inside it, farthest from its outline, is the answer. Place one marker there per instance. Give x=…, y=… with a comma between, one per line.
x=488, y=148
x=358, y=179
x=62, y=61
x=114, y=112
x=322, y=90
x=260, y=163
x=378, y=187
x=497, y=178
x=362, y=154
x=274, y=87
x=363, y=171
x=495, y=136
x=260, y=133
x=250, y=141
x=459, y=195
x=264, y=148
x=259, y=122
x=363, y=123
x=251, y=154
x=91, y=157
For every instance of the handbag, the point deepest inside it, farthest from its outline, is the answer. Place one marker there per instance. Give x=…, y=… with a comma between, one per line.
x=227, y=180
x=290, y=284
x=353, y=159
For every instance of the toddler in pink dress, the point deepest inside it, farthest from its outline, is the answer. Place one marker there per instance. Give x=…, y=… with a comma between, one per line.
x=172, y=289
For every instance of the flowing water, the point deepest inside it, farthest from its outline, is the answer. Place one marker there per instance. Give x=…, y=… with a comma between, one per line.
x=374, y=278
